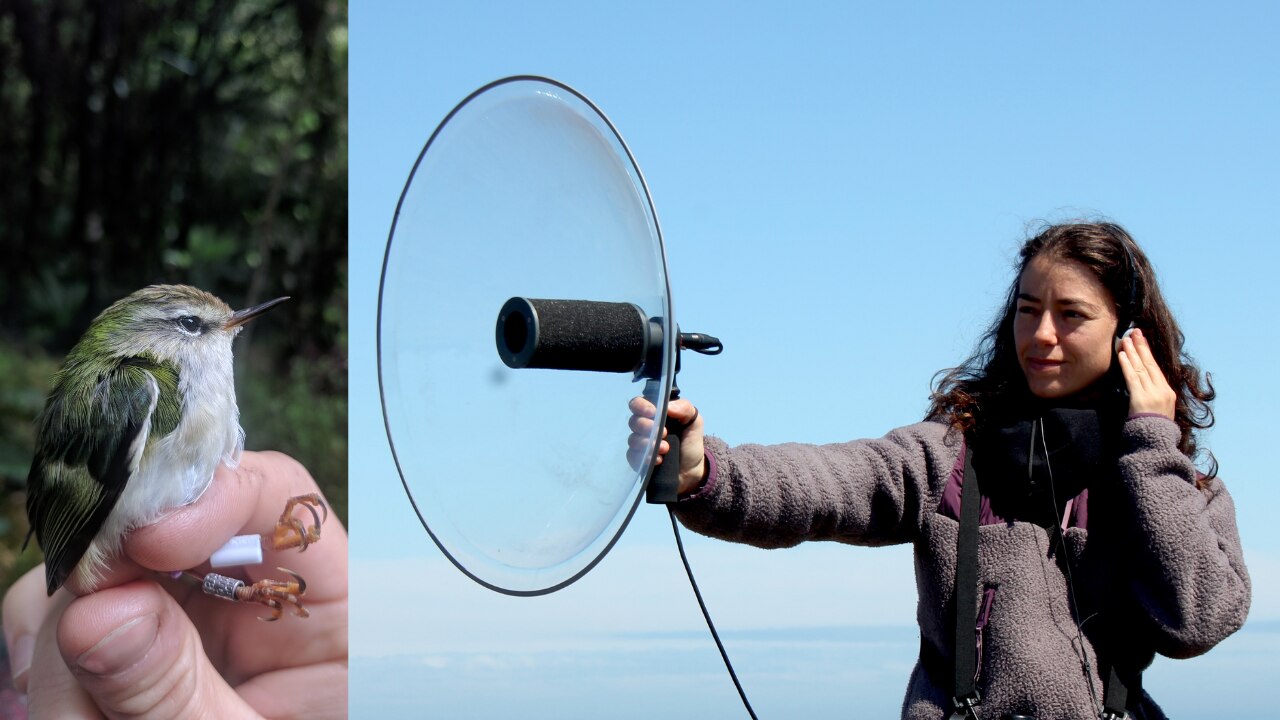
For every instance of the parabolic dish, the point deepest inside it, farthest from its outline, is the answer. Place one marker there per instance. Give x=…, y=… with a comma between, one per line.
x=520, y=476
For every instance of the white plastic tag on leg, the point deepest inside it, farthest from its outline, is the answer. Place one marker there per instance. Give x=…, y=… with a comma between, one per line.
x=239, y=550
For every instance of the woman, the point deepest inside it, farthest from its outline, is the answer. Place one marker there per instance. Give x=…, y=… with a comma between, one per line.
x=1099, y=543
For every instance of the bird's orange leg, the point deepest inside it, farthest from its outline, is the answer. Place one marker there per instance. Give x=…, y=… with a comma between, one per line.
x=293, y=533
x=275, y=594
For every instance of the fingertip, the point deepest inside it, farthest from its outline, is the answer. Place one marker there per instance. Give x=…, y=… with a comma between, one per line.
x=89, y=621
x=110, y=639
x=641, y=407
x=25, y=607
x=25, y=603
x=51, y=688
x=22, y=650
x=280, y=466
x=1126, y=365
x=136, y=653
x=121, y=648
x=682, y=410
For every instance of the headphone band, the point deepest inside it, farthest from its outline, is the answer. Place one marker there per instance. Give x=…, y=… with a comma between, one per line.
x=1130, y=309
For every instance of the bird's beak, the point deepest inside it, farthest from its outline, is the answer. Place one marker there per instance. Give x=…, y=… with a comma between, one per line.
x=241, y=317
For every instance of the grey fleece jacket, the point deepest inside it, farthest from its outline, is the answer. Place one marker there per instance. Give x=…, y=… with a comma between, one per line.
x=1158, y=569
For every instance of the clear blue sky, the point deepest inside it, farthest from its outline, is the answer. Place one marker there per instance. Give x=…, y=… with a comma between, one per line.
x=841, y=191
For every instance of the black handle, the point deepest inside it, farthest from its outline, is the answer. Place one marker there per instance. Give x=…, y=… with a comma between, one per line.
x=664, y=483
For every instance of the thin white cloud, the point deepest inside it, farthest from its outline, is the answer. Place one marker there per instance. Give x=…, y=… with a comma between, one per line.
x=638, y=592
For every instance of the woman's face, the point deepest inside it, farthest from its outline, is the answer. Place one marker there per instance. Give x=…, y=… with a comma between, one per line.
x=1063, y=328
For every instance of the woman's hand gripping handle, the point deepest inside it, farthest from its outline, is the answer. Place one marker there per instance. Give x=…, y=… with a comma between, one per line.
x=681, y=439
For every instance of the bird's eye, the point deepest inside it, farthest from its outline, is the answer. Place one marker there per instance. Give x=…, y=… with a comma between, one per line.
x=190, y=324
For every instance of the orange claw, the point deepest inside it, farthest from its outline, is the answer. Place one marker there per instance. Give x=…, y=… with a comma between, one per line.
x=291, y=532
x=275, y=594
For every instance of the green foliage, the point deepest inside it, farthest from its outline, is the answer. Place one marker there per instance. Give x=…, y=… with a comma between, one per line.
x=25, y=379
x=300, y=409
x=162, y=141
x=286, y=413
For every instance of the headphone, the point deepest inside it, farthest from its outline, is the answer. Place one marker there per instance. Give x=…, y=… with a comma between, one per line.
x=1131, y=307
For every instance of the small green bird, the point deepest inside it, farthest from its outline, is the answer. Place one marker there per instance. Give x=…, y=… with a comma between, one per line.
x=141, y=414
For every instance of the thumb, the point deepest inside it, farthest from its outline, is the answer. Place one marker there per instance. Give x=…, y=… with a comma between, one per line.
x=136, y=653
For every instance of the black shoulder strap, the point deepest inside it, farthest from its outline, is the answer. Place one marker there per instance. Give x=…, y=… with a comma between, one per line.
x=1114, y=696
x=966, y=597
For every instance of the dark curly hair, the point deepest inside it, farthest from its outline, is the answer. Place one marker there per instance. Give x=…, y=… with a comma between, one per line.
x=992, y=380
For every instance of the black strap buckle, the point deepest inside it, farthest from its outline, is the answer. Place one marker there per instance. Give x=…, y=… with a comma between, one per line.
x=966, y=707
x=1113, y=715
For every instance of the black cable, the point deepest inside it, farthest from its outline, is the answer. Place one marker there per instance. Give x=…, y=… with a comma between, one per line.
x=675, y=528
x=1066, y=561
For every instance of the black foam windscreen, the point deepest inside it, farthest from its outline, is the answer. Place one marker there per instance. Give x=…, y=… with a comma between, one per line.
x=573, y=335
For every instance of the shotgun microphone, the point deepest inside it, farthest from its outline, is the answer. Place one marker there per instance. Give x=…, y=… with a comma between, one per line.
x=579, y=335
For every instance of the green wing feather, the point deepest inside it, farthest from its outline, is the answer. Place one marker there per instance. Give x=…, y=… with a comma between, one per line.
x=88, y=436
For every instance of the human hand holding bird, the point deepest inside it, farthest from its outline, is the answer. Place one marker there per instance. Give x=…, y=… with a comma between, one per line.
x=192, y=651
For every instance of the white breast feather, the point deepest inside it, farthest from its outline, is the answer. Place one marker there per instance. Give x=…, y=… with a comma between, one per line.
x=176, y=469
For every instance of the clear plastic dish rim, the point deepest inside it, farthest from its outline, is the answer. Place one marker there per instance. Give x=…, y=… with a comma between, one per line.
x=668, y=341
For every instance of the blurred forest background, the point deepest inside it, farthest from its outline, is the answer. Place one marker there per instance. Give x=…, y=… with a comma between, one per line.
x=202, y=142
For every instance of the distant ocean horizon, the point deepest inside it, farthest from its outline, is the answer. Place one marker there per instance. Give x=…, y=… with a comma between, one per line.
x=844, y=671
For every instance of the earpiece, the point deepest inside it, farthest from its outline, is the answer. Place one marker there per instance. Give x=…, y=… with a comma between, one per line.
x=1126, y=333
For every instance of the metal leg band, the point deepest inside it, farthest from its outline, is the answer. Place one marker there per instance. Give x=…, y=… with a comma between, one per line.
x=221, y=586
